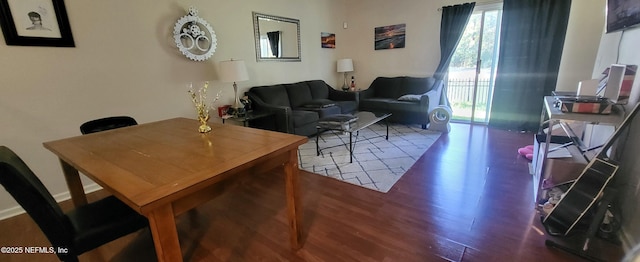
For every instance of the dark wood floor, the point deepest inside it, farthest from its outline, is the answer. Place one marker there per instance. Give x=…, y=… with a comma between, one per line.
x=468, y=198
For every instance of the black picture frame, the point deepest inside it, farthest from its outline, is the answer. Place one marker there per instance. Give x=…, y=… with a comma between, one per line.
x=622, y=15
x=24, y=31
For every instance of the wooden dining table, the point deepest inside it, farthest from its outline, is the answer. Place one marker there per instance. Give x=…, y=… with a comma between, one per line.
x=165, y=168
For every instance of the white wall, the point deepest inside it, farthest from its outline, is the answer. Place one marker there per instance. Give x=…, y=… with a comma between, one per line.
x=621, y=47
x=421, y=54
x=586, y=23
x=125, y=63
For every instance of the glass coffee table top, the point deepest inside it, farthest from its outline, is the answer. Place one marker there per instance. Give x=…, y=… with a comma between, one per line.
x=340, y=123
x=364, y=120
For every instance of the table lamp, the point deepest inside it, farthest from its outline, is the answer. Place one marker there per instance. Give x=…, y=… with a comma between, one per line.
x=345, y=66
x=233, y=71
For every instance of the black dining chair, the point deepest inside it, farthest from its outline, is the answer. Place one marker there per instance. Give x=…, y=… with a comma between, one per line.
x=107, y=123
x=75, y=232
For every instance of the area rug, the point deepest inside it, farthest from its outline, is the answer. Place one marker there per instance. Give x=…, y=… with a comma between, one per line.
x=377, y=163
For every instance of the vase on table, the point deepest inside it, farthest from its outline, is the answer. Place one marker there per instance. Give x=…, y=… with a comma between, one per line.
x=203, y=117
x=199, y=99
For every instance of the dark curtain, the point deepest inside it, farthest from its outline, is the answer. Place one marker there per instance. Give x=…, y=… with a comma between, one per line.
x=531, y=42
x=454, y=20
x=274, y=42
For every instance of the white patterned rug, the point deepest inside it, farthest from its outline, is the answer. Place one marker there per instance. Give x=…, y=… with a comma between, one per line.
x=377, y=163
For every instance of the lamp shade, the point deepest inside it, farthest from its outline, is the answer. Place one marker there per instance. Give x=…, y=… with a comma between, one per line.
x=233, y=71
x=345, y=65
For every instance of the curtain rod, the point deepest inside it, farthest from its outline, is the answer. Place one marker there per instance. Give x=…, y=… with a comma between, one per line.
x=477, y=4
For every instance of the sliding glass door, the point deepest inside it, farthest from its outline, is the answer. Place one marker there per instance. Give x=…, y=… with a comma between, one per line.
x=472, y=69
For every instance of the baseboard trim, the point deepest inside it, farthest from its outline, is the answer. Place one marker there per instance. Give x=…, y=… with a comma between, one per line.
x=17, y=210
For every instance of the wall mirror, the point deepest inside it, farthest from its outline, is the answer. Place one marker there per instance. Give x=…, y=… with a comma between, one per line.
x=277, y=38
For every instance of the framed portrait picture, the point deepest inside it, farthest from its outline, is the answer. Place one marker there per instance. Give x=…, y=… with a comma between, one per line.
x=35, y=23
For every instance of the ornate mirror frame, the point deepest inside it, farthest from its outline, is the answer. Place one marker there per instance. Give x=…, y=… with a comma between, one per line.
x=290, y=52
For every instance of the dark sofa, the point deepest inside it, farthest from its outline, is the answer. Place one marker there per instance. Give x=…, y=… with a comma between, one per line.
x=409, y=99
x=298, y=106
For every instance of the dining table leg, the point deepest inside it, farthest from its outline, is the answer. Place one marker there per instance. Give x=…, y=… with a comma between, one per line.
x=162, y=224
x=76, y=190
x=294, y=207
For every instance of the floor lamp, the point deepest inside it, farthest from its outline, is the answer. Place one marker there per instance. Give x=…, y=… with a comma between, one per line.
x=345, y=66
x=233, y=71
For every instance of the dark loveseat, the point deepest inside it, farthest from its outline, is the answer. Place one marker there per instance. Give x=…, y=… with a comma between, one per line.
x=298, y=106
x=409, y=99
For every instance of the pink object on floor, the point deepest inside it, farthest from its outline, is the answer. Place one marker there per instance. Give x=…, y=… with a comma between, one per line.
x=526, y=152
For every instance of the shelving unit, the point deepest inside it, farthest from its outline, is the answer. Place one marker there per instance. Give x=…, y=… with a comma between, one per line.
x=577, y=147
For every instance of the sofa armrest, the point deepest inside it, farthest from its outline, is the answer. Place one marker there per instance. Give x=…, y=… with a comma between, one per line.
x=282, y=113
x=337, y=95
x=283, y=118
x=366, y=93
x=431, y=99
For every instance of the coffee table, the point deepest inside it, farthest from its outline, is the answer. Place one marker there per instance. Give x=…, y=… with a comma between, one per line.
x=365, y=119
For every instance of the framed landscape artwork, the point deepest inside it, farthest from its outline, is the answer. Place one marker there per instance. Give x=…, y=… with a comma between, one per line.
x=328, y=40
x=390, y=37
x=35, y=23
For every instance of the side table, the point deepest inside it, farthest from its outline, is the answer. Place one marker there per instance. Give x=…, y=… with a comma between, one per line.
x=247, y=117
x=357, y=94
x=556, y=116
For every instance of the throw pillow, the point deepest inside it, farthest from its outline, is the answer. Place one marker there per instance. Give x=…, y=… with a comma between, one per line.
x=409, y=98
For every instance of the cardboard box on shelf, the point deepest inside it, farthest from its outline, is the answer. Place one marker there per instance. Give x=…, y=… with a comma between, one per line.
x=540, y=139
x=561, y=168
x=577, y=127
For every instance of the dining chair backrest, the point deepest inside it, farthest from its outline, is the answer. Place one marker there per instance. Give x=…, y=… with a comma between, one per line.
x=107, y=123
x=82, y=229
x=25, y=187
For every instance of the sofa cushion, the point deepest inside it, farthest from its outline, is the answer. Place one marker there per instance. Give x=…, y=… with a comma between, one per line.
x=409, y=97
x=318, y=103
x=375, y=104
x=396, y=106
x=303, y=117
x=323, y=111
x=299, y=93
x=318, y=88
x=274, y=95
x=387, y=87
x=416, y=85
